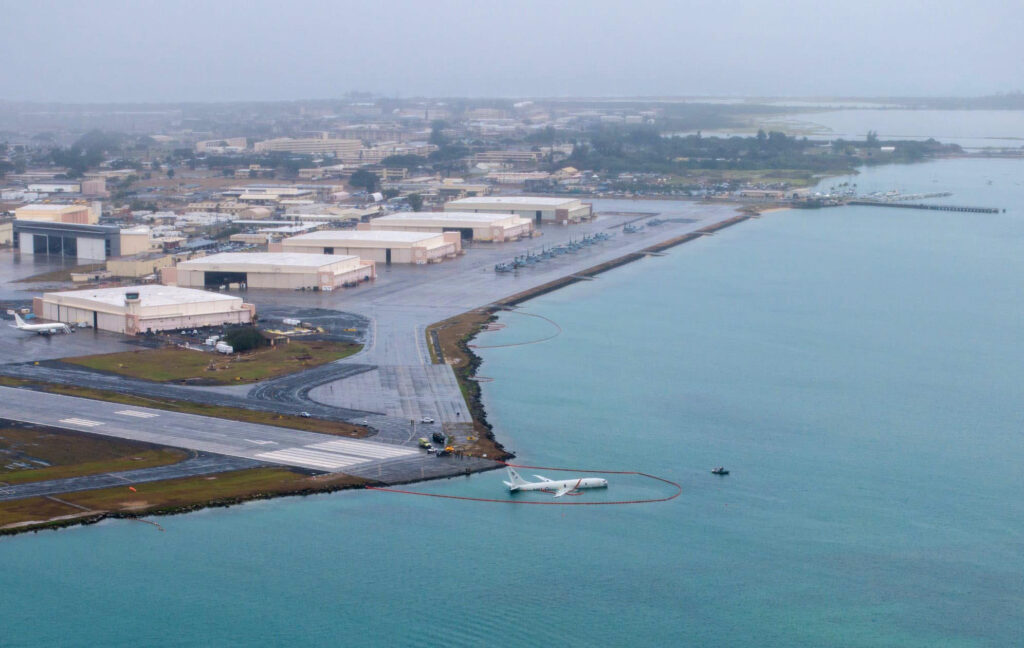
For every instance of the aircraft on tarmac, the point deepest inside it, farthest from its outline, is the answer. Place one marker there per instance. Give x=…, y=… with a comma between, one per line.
x=557, y=488
x=40, y=329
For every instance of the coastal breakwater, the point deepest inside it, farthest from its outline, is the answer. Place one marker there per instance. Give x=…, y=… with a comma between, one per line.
x=902, y=205
x=589, y=273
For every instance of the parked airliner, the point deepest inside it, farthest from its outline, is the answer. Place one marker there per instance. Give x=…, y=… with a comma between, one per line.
x=557, y=488
x=40, y=329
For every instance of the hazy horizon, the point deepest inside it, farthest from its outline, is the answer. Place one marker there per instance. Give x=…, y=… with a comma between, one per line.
x=147, y=52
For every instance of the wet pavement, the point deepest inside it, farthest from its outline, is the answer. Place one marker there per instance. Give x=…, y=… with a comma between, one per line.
x=391, y=383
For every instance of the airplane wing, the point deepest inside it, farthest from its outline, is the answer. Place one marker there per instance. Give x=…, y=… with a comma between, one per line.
x=564, y=490
x=542, y=478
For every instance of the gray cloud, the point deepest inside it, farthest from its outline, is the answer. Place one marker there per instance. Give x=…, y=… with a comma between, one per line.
x=188, y=50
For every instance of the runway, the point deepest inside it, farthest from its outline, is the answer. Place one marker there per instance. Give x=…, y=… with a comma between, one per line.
x=263, y=443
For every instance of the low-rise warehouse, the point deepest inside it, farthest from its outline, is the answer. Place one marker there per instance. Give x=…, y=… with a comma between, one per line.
x=469, y=225
x=140, y=309
x=557, y=210
x=139, y=265
x=77, y=214
x=270, y=270
x=82, y=242
x=382, y=247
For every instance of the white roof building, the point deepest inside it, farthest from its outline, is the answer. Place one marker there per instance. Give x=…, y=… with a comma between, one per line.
x=381, y=246
x=558, y=210
x=287, y=270
x=477, y=226
x=137, y=309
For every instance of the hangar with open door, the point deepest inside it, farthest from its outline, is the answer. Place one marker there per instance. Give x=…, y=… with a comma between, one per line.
x=290, y=271
x=386, y=247
x=470, y=226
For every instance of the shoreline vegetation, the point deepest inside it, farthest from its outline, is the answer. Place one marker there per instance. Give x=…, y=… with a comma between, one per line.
x=690, y=159
x=448, y=342
x=168, y=497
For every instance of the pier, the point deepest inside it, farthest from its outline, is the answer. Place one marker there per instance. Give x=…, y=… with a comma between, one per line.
x=903, y=205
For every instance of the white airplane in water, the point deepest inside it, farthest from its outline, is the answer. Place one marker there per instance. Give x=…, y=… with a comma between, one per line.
x=40, y=329
x=557, y=488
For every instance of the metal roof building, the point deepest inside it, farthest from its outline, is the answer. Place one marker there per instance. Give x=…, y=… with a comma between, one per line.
x=138, y=309
x=286, y=270
x=382, y=247
x=470, y=225
x=538, y=210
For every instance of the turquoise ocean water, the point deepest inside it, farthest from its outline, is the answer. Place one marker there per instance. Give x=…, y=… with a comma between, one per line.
x=859, y=370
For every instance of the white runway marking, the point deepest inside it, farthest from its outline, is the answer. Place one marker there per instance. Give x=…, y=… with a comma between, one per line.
x=260, y=442
x=363, y=449
x=304, y=457
x=81, y=422
x=136, y=414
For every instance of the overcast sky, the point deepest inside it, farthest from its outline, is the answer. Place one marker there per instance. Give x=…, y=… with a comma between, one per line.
x=210, y=50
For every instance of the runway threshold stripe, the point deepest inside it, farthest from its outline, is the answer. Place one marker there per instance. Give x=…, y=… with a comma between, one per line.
x=136, y=414
x=82, y=422
x=304, y=462
x=364, y=454
x=310, y=457
x=365, y=448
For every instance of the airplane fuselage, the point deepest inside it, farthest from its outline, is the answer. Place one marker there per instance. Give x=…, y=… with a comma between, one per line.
x=555, y=486
x=43, y=330
x=40, y=329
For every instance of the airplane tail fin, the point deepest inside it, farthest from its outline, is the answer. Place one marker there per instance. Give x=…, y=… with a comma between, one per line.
x=516, y=480
x=18, y=321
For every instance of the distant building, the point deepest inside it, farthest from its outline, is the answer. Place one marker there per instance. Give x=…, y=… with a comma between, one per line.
x=470, y=226
x=139, y=265
x=377, y=153
x=56, y=186
x=518, y=177
x=276, y=193
x=287, y=271
x=78, y=214
x=538, y=210
x=341, y=148
x=96, y=187
x=254, y=171
x=136, y=240
x=762, y=194
x=36, y=175
x=382, y=247
x=80, y=242
x=227, y=145
x=327, y=213
x=450, y=190
x=139, y=309
x=226, y=207
x=508, y=158
x=318, y=173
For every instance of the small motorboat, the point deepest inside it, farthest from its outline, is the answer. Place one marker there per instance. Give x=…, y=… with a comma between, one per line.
x=720, y=471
